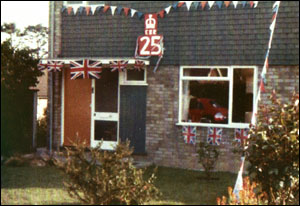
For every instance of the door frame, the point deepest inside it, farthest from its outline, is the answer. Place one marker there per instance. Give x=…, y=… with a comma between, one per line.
x=106, y=145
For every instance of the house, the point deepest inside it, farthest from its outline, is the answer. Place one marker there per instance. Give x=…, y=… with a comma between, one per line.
x=213, y=55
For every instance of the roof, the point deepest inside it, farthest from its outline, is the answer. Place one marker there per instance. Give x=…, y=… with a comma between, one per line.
x=224, y=36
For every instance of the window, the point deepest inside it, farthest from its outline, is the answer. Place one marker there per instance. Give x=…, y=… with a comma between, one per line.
x=216, y=96
x=134, y=77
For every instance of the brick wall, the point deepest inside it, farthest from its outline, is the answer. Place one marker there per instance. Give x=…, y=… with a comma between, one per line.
x=164, y=142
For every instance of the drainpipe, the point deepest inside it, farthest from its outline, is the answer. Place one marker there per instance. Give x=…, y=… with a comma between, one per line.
x=51, y=78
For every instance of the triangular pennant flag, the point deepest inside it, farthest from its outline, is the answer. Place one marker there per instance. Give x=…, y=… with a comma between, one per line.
x=262, y=86
x=80, y=10
x=98, y=9
x=63, y=9
x=105, y=9
x=227, y=3
x=126, y=11
x=239, y=181
x=251, y=4
x=133, y=11
x=196, y=4
x=162, y=13
x=119, y=10
x=93, y=8
x=272, y=26
x=180, y=4
x=220, y=3
x=87, y=10
x=69, y=9
x=113, y=9
x=244, y=3
x=235, y=3
x=75, y=8
x=203, y=4
x=188, y=4
x=267, y=63
x=175, y=6
x=210, y=4
x=255, y=4
x=276, y=4
x=140, y=15
x=168, y=9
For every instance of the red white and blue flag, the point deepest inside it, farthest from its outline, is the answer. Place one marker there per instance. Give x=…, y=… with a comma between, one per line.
x=189, y=134
x=214, y=136
x=52, y=65
x=139, y=65
x=118, y=65
x=241, y=135
x=86, y=69
x=42, y=66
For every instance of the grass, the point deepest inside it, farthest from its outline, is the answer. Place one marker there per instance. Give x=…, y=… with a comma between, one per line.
x=27, y=185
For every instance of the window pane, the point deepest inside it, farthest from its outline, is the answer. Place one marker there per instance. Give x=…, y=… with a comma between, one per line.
x=106, y=94
x=206, y=72
x=242, y=95
x=135, y=75
x=205, y=101
x=106, y=130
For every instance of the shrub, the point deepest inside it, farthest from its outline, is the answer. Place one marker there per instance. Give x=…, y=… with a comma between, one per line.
x=247, y=196
x=273, y=151
x=208, y=156
x=103, y=177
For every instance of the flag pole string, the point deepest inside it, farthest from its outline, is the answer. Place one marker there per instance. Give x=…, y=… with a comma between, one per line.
x=239, y=181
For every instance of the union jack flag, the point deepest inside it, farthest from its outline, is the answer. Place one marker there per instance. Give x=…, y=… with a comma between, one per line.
x=214, y=136
x=241, y=135
x=42, y=66
x=55, y=66
x=86, y=69
x=118, y=65
x=189, y=134
x=139, y=65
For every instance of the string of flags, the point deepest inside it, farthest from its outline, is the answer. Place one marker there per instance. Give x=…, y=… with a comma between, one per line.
x=190, y=5
x=214, y=135
x=90, y=68
x=263, y=79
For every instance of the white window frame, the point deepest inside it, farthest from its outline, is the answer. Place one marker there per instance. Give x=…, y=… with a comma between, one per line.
x=124, y=81
x=229, y=78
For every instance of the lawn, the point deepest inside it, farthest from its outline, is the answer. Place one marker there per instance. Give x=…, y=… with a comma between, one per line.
x=28, y=185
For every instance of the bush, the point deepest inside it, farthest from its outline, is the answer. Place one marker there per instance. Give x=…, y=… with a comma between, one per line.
x=208, y=156
x=273, y=151
x=247, y=196
x=103, y=177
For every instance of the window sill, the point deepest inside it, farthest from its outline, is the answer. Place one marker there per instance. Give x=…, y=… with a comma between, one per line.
x=236, y=125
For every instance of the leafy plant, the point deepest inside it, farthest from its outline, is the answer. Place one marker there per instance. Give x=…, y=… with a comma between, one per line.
x=208, y=156
x=247, y=196
x=105, y=177
x=273, y=151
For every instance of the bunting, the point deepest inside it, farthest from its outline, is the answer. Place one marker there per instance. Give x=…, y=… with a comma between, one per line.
x=86, y=69
x=139, y=65
x=118, y=65
x=189, y=134
x=91, y=9
x=262, y=81
x=214, y=136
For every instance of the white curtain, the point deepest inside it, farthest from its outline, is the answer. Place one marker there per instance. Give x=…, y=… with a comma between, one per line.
x=185, y=97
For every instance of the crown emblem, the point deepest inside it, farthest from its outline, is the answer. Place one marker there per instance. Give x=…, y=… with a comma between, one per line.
x=150, y=22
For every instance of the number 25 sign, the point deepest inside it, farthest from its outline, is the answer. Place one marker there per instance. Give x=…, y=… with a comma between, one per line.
x=151, y=43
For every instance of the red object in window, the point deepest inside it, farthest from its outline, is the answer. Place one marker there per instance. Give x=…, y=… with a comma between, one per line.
x=207, y=110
